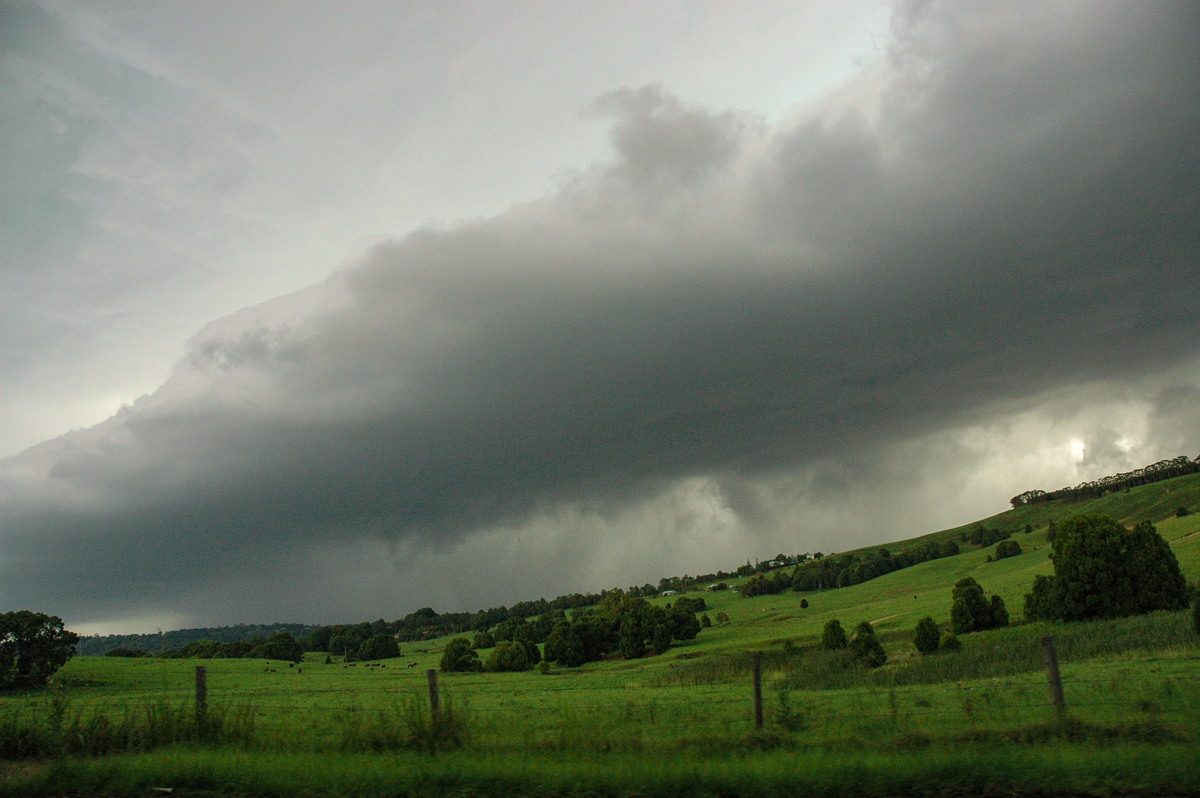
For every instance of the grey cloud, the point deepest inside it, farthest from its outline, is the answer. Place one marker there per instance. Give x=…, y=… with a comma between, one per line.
x=993, y=219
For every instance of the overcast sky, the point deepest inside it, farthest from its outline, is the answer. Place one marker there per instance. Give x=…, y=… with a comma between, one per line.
x=322, y=313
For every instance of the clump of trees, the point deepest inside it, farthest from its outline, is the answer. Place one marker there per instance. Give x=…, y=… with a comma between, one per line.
x=32, y=647
x=970, y=611
x=622, y=624
x=1103, y=570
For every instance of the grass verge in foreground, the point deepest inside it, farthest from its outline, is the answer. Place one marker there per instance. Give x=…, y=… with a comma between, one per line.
x=968, y=770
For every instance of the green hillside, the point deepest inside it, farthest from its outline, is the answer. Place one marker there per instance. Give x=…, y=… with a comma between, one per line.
x=970, y=722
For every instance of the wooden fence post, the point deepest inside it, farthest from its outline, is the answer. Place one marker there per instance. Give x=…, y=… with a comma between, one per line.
x=201, y=694
x=1050, y=654
x=756, y=665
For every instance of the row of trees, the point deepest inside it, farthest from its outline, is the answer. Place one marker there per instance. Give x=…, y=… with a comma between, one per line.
x=843, y=570
x=1163, y=469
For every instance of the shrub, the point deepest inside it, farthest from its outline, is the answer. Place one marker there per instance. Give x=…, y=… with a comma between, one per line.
x=1181, y=511
x=926, y=636
x=834, y=636
x=950, y=642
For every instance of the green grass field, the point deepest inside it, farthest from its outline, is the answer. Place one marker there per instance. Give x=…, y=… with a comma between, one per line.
x=978, y=721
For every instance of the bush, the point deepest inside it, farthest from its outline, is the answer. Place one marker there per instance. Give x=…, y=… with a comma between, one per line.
x=950, y=642
x=927, y=636
x=1196, y=616
x=834, y=636
x=1181, y=511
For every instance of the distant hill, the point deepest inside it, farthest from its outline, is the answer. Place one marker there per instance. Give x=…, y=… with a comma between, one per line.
x=97, y=645
x=1151, y=494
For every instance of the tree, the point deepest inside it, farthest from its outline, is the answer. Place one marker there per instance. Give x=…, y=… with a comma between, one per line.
x=927, y=636
x=460, y=657
x=866, y=647
x=381, y=646
x=32, y=647
x=1103, y=570
x=833, y=636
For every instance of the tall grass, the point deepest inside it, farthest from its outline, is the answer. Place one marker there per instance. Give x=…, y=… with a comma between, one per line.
x=56, y=727
x=404, y=725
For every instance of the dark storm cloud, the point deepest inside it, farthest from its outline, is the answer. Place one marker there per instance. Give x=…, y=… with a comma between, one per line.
x=1008, y=206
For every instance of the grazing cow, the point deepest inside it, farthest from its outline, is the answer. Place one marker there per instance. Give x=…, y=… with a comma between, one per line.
x=412, y=664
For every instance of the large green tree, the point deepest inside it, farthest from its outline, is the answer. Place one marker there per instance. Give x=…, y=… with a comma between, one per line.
x=1103, y=570
x=32, y=647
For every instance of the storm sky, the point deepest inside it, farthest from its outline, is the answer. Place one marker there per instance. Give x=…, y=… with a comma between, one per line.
x=324, y=313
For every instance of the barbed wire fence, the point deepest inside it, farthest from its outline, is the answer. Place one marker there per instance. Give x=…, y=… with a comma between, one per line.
x=316, y=708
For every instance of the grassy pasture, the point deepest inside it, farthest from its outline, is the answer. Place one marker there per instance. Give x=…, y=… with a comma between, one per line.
x=977, y=721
